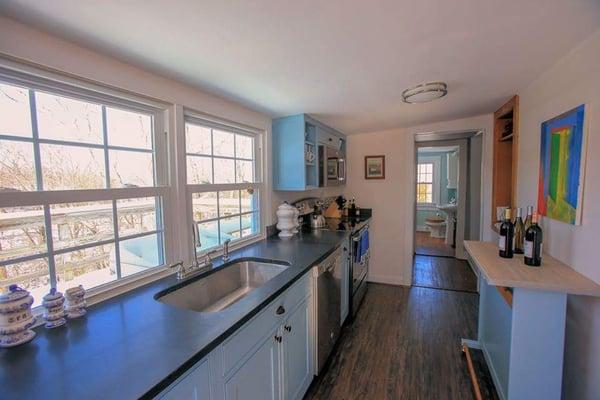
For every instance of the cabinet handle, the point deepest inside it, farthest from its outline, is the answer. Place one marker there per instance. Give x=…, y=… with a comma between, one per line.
x=278, y=338
x=288, y=328
x=280, y=310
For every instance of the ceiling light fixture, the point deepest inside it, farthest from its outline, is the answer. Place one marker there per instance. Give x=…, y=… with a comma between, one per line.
x=425, y=92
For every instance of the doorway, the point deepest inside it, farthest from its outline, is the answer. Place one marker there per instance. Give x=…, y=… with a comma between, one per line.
x=437, y=198
x=447, y=210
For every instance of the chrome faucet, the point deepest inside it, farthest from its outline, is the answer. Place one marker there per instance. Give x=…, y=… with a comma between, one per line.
x=226, y=250
x=183, y=271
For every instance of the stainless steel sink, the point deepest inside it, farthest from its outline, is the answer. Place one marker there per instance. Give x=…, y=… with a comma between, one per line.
x=224, y=287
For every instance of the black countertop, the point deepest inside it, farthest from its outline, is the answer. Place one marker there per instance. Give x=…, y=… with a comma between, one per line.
x=133, y=346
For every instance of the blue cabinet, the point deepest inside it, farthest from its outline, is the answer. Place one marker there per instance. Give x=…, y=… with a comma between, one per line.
x=259, y=376
x=195, y=385
x=297, y=354
x=345, y=301
x=295, y=151
x=268, y=358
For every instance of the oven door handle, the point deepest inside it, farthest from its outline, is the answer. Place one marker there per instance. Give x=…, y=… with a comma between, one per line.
x=341, y=169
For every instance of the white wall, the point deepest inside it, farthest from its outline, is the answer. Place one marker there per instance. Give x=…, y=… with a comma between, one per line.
x=574, y=80
x=392, y=198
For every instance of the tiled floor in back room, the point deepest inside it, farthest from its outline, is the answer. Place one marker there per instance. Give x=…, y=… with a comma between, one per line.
x=405, y=344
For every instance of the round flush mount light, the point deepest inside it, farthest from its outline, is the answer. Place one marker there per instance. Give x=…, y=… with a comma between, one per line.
x=425, y=92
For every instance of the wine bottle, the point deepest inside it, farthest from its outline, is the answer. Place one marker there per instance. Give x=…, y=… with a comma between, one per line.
x=528, y=218
x=533, y=243
x=519, y=232
x=505, y=241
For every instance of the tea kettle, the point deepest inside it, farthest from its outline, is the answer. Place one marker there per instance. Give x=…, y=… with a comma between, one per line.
x=317, y=220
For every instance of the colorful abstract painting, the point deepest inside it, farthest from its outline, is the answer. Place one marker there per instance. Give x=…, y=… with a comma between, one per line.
x=562, y=167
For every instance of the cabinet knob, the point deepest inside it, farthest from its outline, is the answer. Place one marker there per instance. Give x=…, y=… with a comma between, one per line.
x=278, y=338
x=288, y=328
x=280, y=310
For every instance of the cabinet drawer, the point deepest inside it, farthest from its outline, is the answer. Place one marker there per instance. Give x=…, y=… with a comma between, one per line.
x=237, y=346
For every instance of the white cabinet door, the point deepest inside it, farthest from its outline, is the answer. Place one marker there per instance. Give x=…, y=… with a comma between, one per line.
x=259, y=376
x=194, y=386
x=297, y=352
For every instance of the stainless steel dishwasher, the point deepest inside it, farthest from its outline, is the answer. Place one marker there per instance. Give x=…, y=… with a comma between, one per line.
x=329, y=286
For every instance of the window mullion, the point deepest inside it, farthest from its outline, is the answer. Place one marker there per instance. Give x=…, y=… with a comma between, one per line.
x=36, y=144
x=50, y=244
x=117, y=243
x=105, y=146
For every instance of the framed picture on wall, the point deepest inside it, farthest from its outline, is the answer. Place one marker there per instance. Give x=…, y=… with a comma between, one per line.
x=374, y=167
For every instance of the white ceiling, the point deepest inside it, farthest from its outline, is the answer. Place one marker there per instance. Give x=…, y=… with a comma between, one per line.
x=345, y=62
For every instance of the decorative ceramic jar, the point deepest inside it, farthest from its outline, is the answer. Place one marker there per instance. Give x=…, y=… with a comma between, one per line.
x=296, y=227
x=54, y=309
x=75, y=302
x=285, y=220
x=16, y=317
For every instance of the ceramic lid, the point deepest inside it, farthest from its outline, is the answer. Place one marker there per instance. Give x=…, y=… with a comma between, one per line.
x=53, y=295
x=15, y=293
x=74, y=291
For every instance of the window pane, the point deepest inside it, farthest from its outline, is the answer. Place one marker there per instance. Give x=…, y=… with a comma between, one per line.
x=199, y=170
x=15, y=118
x=249, y=200
x=76, y=224
x=429, y=168
x=22, y=232
x=204, y=206
x=130, y=169
x=244, y=171
x=230, y=228
x=88, y=267
x=209, y=235
x=224, y=171
x=17, y=168
x=244, y=146
x=72, y=167
x=229, y=203
x=250, y=224
x=140, y=254
x=197, y=139
x=137, y=215
x=129, y=129
x=222, y=143
x=31, y=275
x=61, y=118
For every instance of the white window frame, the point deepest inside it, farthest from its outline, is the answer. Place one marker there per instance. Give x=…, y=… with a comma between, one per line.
x=435, y=187
x=36, y=78
x=199, y=118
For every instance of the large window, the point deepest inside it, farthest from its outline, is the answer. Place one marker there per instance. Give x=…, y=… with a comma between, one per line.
x=80, y=193
x=223, y=182
x=425, y=182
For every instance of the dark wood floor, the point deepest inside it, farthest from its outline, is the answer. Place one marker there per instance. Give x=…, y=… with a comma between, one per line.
x=429, y=246
x=444, y=273
x=404, y=344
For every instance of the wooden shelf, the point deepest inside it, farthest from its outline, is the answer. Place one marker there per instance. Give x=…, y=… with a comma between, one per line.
x=505, y=155
x=552, y=275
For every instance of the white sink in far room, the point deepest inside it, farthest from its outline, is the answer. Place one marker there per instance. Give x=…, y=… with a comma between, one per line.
x=450, y=211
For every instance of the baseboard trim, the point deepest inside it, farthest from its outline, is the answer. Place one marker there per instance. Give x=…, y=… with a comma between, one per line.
x=388, y=280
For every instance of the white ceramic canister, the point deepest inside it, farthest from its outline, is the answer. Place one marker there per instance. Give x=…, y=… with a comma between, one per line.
x=285, y=220
x=296, y=227
x=16, y=317
x=75, y=301
x=54, y=309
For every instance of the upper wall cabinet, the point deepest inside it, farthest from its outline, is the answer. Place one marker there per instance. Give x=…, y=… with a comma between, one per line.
x=296, y=141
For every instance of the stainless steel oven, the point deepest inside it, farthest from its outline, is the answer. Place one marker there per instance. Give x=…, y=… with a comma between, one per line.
x=332, y=166
x=359, y=269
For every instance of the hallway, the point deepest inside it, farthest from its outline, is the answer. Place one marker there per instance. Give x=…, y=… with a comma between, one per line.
x=404, y=344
